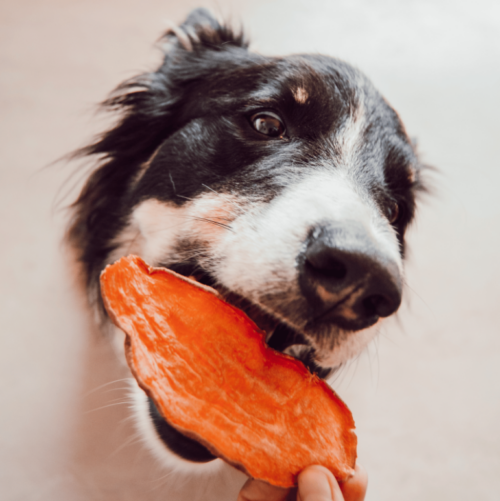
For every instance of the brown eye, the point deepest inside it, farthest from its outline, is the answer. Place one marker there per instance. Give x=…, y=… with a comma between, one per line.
x=392, y=212
x=268, y=124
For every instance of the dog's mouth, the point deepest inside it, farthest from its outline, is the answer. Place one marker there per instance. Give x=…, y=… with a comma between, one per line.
x=279, y=335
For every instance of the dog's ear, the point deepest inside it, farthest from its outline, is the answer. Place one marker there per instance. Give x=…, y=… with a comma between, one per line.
x=148, y=107
x=202, y=31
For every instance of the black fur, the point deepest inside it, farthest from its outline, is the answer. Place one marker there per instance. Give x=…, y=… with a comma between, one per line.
x=183, y=446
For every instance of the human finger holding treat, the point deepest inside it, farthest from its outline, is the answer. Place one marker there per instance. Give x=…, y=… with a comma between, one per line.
x=315, y=483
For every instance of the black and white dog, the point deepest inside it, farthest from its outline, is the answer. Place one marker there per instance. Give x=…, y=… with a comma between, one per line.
x=285, y=183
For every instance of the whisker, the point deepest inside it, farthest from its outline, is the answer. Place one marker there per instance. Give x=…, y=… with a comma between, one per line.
x=120, y=388
x=122, y=402
x=208, y=188
x=377, y=356
x=135, y=438
x=421, y=298
x=211, y=221
x=106, y=384
x=356, y=362
x=195, y=218
x=172, y=181
x=133, y=241
x=339, y=375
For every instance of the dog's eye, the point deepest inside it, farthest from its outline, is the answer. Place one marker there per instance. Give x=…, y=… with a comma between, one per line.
x=392, y=212
x=268, y=123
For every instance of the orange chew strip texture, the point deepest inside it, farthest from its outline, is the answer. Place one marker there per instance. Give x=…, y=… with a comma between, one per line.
x=211, y=375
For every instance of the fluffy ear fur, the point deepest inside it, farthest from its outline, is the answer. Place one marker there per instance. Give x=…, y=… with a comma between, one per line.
x=201, y=31
x=149, y=112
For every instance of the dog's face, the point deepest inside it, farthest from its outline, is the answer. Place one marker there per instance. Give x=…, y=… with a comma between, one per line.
x=285, y=183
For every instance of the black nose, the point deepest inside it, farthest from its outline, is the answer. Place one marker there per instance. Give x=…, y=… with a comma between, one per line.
x=347, y=278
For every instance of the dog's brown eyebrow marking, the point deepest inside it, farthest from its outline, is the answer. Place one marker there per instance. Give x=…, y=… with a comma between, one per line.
x=412, y=174
x=300, y=94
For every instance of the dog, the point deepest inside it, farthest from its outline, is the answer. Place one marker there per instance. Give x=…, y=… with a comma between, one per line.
x=286, y=183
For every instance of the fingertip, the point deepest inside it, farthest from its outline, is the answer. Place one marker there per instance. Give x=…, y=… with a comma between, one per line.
x=354, y=488
x=362, y=473
x=317, y=483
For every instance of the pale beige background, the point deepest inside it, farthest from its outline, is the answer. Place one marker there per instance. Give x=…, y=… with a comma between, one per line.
x=425, y=396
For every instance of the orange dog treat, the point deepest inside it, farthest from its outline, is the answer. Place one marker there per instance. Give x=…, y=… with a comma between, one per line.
x=211, y=375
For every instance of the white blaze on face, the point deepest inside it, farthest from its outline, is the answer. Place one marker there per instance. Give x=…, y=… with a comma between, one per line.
x=260, y=254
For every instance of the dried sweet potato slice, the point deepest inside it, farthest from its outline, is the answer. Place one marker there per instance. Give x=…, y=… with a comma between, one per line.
x=211, y=375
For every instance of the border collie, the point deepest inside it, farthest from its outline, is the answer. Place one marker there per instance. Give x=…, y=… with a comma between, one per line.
x=286, y=183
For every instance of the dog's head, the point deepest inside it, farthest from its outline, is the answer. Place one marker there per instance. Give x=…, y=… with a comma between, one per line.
x=286, y=183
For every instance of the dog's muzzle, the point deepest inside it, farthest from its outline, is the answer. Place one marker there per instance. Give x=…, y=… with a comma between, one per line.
x=346, y=277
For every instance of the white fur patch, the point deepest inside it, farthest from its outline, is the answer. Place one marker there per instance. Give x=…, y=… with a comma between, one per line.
x=351, y=344
x=350, y=138
x=260, y=254
x=152, y=231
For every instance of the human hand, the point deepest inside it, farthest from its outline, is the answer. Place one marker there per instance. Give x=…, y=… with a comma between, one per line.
x=315, y=483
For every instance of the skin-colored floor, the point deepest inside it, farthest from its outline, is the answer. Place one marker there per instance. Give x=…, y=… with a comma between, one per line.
x=426, y=395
